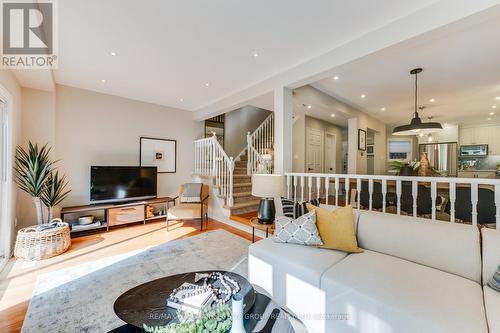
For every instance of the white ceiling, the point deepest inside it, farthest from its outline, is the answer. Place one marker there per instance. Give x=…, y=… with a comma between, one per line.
x=461, y=72
x=168, y=50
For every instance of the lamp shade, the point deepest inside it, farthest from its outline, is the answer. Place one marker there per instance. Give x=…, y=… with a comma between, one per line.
x=267, y=186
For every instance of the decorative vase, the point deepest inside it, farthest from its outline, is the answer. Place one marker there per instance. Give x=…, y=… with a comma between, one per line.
x=237, y=314
x=406, y=170
x=425, y=167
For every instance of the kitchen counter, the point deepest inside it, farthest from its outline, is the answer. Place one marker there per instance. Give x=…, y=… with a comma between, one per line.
x=491, y=174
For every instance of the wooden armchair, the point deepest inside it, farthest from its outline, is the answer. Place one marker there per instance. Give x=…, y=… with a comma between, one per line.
x=190, y=210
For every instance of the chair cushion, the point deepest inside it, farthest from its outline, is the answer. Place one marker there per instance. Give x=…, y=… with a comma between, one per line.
x=184, y=211
x=450, y=247
x=379, y=293
x=337, y=228
x=492, y=305
x=190, y=192
x=290, y=273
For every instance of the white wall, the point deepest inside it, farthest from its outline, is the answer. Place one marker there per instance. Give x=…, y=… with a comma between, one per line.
x=237, y=124
x=357, y=159
x=38, y=126
x=100, y=129
x=12, y=88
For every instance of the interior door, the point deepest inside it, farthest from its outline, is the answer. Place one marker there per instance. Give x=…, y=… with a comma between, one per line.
x=330, y=153
x=4, y=220
x=314, y=150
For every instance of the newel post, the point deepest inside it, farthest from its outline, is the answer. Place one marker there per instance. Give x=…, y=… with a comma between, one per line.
x=249, y=154
x=230, y=200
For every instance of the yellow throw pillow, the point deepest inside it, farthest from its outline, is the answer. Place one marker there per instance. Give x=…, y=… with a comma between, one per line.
x=336, y=229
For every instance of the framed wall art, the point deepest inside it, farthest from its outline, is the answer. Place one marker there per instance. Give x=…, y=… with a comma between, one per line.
x=361, y=139
x=161, y=153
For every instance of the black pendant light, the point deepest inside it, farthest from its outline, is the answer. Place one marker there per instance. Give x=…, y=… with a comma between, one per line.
x=416, y=126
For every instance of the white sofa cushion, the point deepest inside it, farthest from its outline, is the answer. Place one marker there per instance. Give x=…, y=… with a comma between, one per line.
x=492, y=305
x=453, y=248
x=377, y=293
x=491, y=253
x=291, y=274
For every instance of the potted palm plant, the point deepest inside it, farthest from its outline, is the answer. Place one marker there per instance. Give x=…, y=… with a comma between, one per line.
x=55, y=192
x=35, y=175
x=31, y=171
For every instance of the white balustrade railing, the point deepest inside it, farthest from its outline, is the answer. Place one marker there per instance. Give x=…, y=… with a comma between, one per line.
x=260, y=144
x=457, y=191
x=211, y=160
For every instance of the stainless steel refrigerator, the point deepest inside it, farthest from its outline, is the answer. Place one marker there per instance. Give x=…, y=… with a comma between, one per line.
x=442, y=156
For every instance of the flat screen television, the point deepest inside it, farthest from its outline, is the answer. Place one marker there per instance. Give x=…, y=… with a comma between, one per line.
x=121, y=183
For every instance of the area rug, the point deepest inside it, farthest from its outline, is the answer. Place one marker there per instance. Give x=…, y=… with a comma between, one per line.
x=80, y=298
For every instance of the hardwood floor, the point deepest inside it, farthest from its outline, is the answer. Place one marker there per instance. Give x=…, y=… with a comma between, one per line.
x=18, y=278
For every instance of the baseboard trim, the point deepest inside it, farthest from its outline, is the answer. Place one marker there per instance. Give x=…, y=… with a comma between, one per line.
x=237, y=225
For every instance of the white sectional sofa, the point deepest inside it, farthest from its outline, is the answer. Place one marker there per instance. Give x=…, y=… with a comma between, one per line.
x=415, y=275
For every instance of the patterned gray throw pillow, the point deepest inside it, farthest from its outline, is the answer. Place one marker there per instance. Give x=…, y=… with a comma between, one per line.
x=301, y=231
x=495, y=280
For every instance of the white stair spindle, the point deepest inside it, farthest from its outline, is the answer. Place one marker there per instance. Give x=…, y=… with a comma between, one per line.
x=370, y=194
x=358, y=192
x=433, y=197
x=452, y=198
x=398, y=195
x=347, y=185
x=497, y=205
x=295, y=179
x=474, y=199
x=318, y=187
x=288, y=187
x=302, y=181
x=384, y=192
x=309, y=187
x=414, y=194
x=337, y=191
x=327, y=189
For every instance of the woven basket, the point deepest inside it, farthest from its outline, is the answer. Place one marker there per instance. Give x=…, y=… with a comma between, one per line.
x=32, y=243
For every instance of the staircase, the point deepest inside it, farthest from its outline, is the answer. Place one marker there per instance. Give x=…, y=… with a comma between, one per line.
x=233, y=177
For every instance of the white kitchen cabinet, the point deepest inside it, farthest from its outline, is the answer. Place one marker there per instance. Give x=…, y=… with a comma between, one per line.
x=494, y=140
x=479, y=135
x=466, y=136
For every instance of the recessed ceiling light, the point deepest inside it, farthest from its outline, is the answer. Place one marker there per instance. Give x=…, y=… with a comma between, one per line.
x=103, y=81
x=432, y=100
x=256, y=54
x=492, y=113
x=382, y=109
x=497, y=98
x=493, y=106
x=421, y=135
x=207, y=84
x=309, y=106
x=335, y=77
x=114, y=54
x=332, y=115
x=363, y=96
x=489, y=118
x=182, y=99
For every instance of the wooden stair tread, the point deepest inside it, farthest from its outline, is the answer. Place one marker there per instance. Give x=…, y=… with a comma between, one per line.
x=242, y=184
x=249, y=203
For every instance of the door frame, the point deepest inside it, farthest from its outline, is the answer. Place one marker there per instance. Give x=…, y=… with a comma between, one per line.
x=322, y=149
x=334, y=155
x=6, y=181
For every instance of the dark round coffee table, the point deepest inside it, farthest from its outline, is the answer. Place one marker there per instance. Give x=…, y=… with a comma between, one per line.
x=146, y=304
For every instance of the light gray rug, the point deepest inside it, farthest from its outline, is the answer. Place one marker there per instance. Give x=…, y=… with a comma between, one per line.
x=80, y=298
